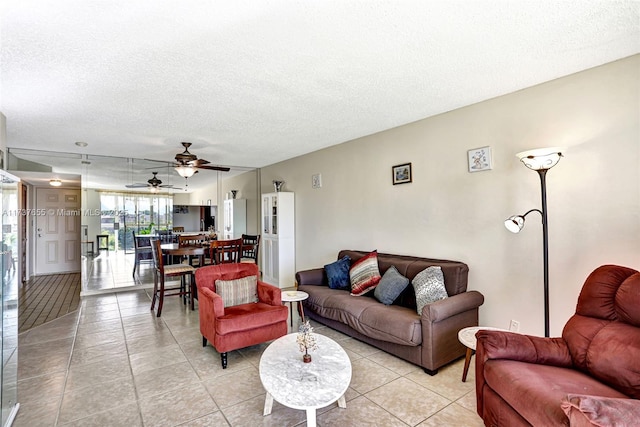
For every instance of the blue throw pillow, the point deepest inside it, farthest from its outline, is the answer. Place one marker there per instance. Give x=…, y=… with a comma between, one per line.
x=391, y=286
x=338, y=273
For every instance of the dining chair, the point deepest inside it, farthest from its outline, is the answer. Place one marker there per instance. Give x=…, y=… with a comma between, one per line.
x=142, y=251
x=166, y=236
x=250, y=246
x=194, y=240
x=178, y=229
x=162, y=272
x=225, y=251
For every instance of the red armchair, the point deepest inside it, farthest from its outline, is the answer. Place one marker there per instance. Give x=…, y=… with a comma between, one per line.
x=589, y=376
x=239, y=326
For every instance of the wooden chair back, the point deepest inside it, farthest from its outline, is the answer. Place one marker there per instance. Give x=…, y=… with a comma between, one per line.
x=193, y=240
x=250, y=246
x=225, y=251
x=156, y=254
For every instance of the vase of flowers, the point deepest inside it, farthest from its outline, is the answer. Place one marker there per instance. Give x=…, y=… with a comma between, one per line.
x=306, y=341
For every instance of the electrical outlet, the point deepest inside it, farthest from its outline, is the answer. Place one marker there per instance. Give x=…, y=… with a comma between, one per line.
x=514, y=326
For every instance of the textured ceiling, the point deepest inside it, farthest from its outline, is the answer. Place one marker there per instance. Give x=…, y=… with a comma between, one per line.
x=251, y=83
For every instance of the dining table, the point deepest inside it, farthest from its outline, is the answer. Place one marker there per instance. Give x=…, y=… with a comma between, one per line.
x=175, y=250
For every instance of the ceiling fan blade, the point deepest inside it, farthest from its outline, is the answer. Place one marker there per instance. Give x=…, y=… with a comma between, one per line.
x=198, y=162
x=215, y=168
x=139, y=185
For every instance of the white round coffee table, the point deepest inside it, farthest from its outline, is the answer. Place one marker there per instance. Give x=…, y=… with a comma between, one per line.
x=467, y=337
x=306, y=386
x=291, y=297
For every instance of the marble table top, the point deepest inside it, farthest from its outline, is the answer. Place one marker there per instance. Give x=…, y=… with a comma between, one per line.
x=289, y=296
x=300, y=385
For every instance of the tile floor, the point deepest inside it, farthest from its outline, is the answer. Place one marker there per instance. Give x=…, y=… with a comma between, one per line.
x=113, y=363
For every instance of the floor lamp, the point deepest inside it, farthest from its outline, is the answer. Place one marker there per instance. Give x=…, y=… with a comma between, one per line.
x=539, y=160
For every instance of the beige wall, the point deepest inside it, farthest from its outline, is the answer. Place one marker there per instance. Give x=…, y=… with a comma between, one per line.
x=447, y=212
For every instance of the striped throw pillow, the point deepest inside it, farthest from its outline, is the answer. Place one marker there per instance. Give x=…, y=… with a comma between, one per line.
x=238, y=291
x=364, y=274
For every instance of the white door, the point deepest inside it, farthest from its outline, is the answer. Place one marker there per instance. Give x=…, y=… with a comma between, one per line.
x=57, y=216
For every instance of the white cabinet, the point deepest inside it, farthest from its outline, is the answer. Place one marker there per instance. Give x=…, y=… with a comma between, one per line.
x=278, y=245
x=235, y=218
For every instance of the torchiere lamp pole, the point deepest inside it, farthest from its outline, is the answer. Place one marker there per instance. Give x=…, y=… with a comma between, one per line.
x=540, y=160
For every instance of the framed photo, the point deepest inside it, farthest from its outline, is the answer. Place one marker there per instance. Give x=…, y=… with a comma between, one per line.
x=401, y=173
x=479, y=159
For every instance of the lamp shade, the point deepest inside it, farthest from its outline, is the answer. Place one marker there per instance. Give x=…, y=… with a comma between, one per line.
x=185, y=171
x=514, y=223
x=540, y=158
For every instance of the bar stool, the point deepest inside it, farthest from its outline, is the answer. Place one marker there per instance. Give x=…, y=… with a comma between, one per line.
x=102, y=242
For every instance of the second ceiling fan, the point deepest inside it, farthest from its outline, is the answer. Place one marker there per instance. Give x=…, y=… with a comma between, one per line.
x=153, y=183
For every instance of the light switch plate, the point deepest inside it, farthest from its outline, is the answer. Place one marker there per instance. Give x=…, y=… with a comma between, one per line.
x=316, y=181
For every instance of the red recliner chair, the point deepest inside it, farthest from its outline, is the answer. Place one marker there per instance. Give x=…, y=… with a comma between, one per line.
x=243, y=325
x=589, y=376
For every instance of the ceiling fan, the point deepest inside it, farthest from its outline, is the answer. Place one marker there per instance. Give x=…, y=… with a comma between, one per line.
x=153, y=183
x=187, y=164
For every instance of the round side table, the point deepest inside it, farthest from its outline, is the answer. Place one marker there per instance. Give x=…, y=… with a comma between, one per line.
x=291, y=297
x=467, y=337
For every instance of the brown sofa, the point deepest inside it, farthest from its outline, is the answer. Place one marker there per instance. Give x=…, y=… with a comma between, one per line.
x=429, y=340
x=589, y=376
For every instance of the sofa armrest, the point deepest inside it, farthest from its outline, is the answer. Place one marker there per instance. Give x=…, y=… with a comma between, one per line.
x=522, y=348
x=269, y=294
x=314, y=276
x=448, y=307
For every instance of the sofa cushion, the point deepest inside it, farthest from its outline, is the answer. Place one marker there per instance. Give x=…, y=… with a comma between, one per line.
x=391, y=286
x=527, y=387
x=364, y=274
x=338, y=273
x=429, y=287
x=337, y=305
x=585, y=410
x=238, y=291
x=391, y=323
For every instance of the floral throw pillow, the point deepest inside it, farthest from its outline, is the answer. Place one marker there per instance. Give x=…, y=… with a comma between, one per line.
x=364, y=274
x=429, y=287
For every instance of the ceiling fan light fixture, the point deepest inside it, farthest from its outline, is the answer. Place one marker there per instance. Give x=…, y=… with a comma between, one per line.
x=185, y=171
x=55, y=182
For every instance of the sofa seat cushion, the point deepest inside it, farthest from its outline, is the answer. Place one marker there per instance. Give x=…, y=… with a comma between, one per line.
x=337, y=304
x=391, y=323
x=249, y=316
x=527, y=387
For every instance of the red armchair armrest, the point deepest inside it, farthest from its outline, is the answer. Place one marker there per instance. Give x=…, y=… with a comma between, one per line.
x=512, y=346
x=210, y=302
x=269, y=294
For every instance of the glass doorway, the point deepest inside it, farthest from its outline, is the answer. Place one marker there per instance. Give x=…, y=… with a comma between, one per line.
x=126, y=213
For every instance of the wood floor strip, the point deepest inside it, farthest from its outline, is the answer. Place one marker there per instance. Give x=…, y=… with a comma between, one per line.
x=45, y=298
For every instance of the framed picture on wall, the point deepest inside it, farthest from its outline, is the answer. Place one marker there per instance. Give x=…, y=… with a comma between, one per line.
x=401, y=173
x=479, y=159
